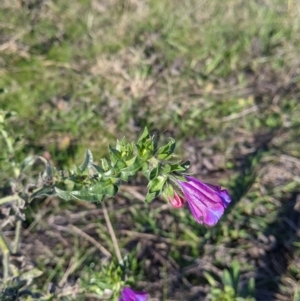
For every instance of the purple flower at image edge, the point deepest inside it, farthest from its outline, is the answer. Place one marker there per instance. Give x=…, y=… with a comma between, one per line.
x=207, y=202
x=127, y=294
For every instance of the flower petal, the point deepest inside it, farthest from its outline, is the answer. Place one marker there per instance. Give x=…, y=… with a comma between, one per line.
x=222, y=193
x=130, y=295
x=207, y=202
x=225, y=196
x=203, y=209
x=208, y=190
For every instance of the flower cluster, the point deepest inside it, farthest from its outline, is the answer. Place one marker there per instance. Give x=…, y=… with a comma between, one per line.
x=207, y=202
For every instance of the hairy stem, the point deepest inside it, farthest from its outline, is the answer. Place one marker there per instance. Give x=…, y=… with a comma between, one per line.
x=111, y=232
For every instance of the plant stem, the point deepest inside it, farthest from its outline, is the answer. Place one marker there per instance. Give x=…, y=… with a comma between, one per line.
x=5, y=260
x=8, y=199
x=17, y=236
x=111, y=232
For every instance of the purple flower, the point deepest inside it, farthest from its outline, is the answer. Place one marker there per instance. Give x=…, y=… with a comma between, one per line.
x=128, y=294
x=207, y=202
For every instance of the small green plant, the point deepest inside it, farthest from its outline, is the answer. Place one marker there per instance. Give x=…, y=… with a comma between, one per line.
x=229, y=289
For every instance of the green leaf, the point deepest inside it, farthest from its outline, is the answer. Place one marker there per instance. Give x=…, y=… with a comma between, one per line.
x=118, y=145
x=165, y=151
x=251, y=288
x=104, y=189
x=114, y=154
x=166, y=169
x=186, y=164
x=150, y=196
x=176, y=167
x=105, y=164
x=49, y=171
x=168, y=190
x=125, y=176
x=87, y=162
x=98, y=168
x=145, y=135
x=157, y=184
x=210, y=279
x=65, y=195
x=119, y=165
x=146, y=171
x=30, y=160
x=44, y=191
x=121, y=145
x=69, y=184
x=154, y=172
x=133, y=166
x=84, y=195
x=146, y=150
x=235, y=274
x=227, y=279
x=130, y=148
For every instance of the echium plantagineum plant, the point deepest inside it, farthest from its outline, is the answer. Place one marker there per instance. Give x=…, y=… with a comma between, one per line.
x=167, y=176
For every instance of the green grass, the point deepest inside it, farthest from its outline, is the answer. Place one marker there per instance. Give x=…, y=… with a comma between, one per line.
x=221, y=77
